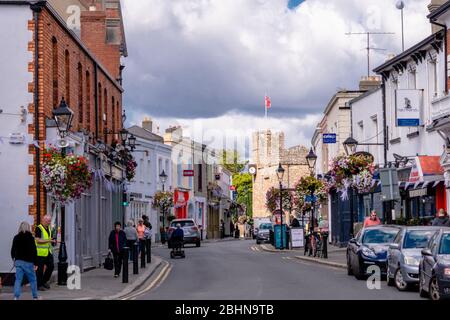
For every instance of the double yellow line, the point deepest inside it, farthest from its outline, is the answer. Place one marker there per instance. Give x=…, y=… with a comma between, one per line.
x=162, y=276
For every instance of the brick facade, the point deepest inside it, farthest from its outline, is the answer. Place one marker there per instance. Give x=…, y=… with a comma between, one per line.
x=73, y=61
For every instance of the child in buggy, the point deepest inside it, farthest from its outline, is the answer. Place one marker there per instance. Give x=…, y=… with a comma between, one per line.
x=177, y=243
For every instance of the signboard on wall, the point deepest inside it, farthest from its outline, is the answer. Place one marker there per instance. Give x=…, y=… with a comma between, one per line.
x=408, y=107
x=329, y=138
x=188, y=173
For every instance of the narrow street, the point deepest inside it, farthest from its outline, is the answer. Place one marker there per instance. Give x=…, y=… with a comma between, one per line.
x=233, y=270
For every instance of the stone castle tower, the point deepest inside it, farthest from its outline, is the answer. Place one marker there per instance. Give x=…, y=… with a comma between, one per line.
x=269, y=151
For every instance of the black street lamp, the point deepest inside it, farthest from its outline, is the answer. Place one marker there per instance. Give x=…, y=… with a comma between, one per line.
x=280, y=175
x=311, y=159
x=123, y=135
x=63, y=117
x=132, y=142
x=163, y=178
x=350, y=145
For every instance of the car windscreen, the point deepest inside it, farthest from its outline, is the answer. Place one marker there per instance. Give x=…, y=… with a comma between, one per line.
x=183, y=223
x=417, y=238
x=444, y=248
x=265, y=226
x=381, y=235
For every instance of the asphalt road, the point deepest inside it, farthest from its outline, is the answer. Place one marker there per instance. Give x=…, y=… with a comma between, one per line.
x=233, y=270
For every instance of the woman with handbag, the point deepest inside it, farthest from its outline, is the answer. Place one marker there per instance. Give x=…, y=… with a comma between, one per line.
x=117, y=241
x=24, y=254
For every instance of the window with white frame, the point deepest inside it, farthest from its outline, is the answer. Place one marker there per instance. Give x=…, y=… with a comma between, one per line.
x=149, y=172
x=412, y=77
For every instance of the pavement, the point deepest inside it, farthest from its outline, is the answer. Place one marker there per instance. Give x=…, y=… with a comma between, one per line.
x=243, y=270
x=96, y=284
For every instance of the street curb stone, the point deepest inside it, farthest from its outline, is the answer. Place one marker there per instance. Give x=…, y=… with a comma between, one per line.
x=139, y=282
x=324, y=262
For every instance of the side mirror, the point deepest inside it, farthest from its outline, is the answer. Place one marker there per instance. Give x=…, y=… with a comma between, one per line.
x=353, y=240
x=427, y=252
x=394, y=246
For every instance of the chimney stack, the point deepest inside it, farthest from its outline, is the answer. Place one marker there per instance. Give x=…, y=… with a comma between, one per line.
x=432, y=7
x=369, y=83
x=147, y=124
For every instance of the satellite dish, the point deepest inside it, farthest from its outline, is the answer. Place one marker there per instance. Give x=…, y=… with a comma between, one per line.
x=62, y=143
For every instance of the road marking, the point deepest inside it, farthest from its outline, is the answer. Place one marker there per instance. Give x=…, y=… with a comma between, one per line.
x=161, y=276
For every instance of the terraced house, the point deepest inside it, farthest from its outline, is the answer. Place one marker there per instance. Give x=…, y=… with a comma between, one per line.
x=55, y=50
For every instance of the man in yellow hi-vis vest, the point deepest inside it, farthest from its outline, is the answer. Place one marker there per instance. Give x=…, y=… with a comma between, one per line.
x=44, y=242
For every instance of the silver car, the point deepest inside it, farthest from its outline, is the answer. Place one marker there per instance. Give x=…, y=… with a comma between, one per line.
x=403, y=256
x=190, y=230
x=263, y=234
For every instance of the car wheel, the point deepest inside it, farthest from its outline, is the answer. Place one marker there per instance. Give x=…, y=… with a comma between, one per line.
x=349, y=266
x=400, y=282
x=197, y=244
x=434, y=289
x=359, y=274
x=258, y=241
x=171, y=255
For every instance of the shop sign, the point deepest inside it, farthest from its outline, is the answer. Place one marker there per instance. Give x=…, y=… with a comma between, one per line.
x=418, y=193
x=408, y=105
x=188, y=173
x=329, y=138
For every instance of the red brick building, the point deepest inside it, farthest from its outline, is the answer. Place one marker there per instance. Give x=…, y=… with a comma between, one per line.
x=84, y=69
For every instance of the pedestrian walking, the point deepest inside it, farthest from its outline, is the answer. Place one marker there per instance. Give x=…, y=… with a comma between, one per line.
x=44, y=245
x=132, y=236
x=24, y=255
x=147, y=222
x=141, y=231
x=441, y=219
x=372, y=220
x=117, y=241
x=222, y=229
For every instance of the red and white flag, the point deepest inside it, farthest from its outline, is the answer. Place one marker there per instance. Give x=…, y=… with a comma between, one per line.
x=268, y=103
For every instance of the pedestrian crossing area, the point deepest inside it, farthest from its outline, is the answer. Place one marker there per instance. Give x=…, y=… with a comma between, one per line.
x=255, y=248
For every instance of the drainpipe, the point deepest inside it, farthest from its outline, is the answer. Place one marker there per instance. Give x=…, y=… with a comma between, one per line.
x=385, y=131
x=37, y=8
x=96, y=100
x=445, y=51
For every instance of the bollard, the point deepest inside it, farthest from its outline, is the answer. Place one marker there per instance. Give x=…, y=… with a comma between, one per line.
x=142, y=245
x=148, y=250
x=325, y=245
x=125, y=254
x=135, y=258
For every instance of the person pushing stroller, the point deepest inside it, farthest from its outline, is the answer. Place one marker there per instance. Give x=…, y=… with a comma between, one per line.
x=177, y=242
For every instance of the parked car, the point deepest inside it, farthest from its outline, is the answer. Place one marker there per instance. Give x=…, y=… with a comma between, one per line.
x=434, y=267
x=257, y=222
x=263, y=234
x=190, y=229
x=404, y=256
x=369, y=248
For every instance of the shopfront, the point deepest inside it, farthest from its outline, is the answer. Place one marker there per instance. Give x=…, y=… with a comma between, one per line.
x=423, y=192
x=181, y=200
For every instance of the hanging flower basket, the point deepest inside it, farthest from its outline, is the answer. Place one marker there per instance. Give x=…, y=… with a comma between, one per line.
x=354, y=171
x=129, y=163
x=273, y=199
x=65, y=178
x=163, y=199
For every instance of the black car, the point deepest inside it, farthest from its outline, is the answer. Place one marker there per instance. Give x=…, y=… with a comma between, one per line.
x=434, y=267
x=369, y=248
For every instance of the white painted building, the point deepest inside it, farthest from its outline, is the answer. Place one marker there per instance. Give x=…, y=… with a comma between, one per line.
x=14, y=158
x=152, y=157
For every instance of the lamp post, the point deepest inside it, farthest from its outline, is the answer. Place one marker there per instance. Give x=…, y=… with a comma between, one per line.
x=63, y=117
x=163, y=179
x=280, y=175
x=311, y=159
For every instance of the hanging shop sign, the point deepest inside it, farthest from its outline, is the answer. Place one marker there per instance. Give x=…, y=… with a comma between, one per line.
x=329, y=138
x=188, y=173
x=408, y=107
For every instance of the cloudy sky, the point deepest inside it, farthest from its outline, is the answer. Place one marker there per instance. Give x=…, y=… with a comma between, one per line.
x=207, y=64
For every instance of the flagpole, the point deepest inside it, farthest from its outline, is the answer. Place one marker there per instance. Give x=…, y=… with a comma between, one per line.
x=265, y=105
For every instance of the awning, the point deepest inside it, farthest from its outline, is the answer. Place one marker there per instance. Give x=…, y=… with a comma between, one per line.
x=426, y=168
